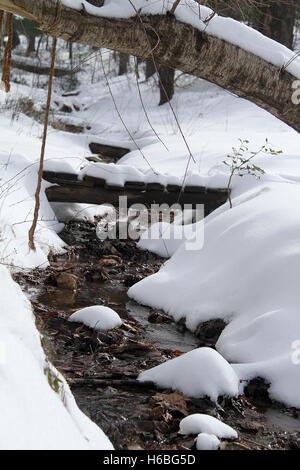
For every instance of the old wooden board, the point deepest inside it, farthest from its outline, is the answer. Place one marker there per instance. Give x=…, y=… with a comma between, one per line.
x=111, y=151
x=74, y=191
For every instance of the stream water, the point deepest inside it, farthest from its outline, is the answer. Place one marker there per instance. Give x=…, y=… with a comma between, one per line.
x=101, y=368
x=167, y=336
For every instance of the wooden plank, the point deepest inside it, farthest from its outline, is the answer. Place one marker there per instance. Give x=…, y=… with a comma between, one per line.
x=55, y=177
x=110, y=151
x=94, y=190
x=95, y=181
x=70, y=192
x=155, y=187
x=194, y=189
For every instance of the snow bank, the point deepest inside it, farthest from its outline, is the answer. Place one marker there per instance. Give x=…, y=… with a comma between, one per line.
x=33, y=415
x=17, y=187
x=207, y=442
x=198, y=373
x=201, y=423
x=19, y=156
x=187, y=11
x=164, y=238
x=81, y=212
x=98, y=317
x=248, y=274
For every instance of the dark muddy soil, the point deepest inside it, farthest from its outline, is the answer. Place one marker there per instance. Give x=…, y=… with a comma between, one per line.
x=102, y=368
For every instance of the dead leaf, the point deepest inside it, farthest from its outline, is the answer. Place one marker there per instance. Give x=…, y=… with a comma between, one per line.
x=49, y=314
x=177, y=353
x=172, y=401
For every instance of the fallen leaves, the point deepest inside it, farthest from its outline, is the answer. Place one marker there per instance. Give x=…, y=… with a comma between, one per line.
x=175, y=402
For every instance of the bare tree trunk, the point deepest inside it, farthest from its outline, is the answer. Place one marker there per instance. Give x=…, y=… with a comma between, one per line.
x=175, y=45
x=30, y=44
x=149, y=69
x=123, y=63
x=277, y=21
x=166, y=84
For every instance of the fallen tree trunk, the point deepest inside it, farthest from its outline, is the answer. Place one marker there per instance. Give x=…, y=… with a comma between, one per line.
x=173, y=44
x=39, y=69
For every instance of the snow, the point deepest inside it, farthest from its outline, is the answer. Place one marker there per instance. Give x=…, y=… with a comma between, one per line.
x=116, y=175
x=188, y=12
x=18, y=176
x=164, y=238
x=207, y=442
x=98, y=317
x=246, y=272
x=197, y=373
x=201, y=423
x=112, y=173
x=80, y=212
x=33, y=416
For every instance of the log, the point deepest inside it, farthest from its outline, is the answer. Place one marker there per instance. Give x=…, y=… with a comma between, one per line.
x=110, y=151
x=80, y=192
x=173, y=44
x=38, y=69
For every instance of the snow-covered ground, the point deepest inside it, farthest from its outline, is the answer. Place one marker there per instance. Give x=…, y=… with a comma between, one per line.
x=246, y=272
x=33, y=414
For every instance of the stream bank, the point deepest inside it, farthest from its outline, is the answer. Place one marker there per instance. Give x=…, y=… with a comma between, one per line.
x=101, y=368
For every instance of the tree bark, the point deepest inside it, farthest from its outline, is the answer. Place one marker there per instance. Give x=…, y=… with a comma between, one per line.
x=30, y=44
x=175, y=45
x=123, y=63
x=149, y=69
x=166, y=84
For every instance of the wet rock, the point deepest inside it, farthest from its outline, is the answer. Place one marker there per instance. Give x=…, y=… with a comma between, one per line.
x=93, y=275
x=209, y=332
x=110, y=261
x=175, y=403
x=155, y=317
x=257, y=389
x=130, y=279
x=146, y=426
x=66, y=109
x=67, y=281
x=251, y=426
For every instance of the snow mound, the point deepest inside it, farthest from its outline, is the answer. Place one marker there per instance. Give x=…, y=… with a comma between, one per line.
x=207, y=442
x=97, y=317
x=78, y=211
x=163, y=238
x=248, y=274
x=33, y=415
x=201, y=423
x=198, y=373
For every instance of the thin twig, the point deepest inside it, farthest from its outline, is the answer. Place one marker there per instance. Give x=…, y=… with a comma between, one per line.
x=121, y=118
x=145, y=111
x=160, y=81
x=42, y=157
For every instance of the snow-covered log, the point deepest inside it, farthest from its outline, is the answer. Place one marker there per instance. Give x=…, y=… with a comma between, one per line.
x=175, y=44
